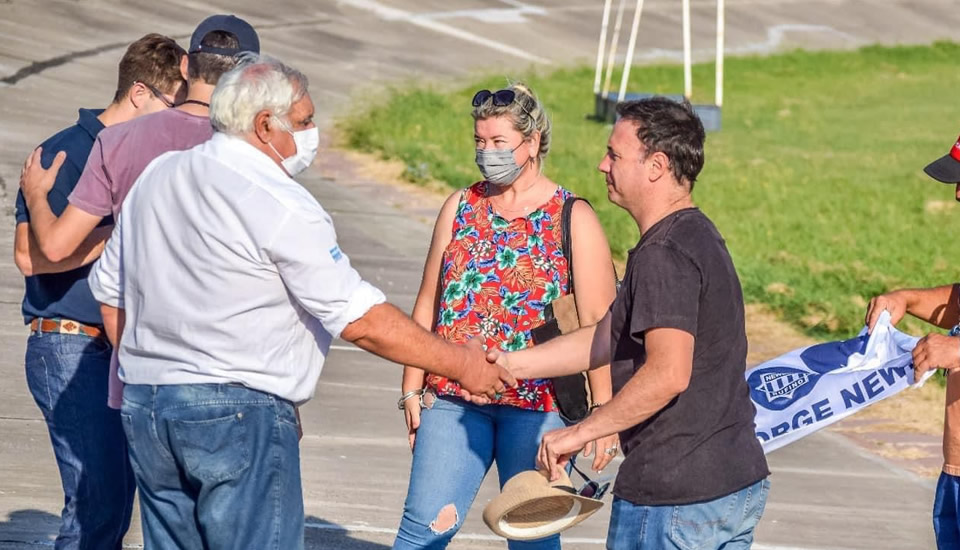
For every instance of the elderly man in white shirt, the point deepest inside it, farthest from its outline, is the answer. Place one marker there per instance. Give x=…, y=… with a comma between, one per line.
x=226, y=284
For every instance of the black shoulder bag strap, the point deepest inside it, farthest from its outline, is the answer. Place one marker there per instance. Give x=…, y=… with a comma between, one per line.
x=570, y=391
x=565, y=238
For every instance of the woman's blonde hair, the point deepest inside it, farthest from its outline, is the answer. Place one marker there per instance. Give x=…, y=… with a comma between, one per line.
x=525, y=111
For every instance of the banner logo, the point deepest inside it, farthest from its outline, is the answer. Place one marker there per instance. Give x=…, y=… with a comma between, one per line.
x=781, y=385
x=777, y=387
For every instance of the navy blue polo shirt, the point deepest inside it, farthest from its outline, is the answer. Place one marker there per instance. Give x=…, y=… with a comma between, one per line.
x=64, y=295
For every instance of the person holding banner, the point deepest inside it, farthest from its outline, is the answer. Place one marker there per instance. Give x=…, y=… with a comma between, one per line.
x=939, y=306
x=694, y=474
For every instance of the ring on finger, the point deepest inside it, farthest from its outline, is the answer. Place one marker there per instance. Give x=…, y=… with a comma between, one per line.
x=612, y=451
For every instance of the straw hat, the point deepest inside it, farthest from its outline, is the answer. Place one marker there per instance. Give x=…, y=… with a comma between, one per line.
x=532, y=507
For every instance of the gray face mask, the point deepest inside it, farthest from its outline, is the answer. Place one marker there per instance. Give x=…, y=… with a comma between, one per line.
x=498, y=165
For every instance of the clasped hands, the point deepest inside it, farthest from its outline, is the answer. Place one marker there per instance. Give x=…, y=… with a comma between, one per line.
x=557, y=446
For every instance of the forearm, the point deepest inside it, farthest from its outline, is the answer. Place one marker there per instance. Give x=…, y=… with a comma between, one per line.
x=88, y=251
x=642, y=396
x=42, y=220
x=413, y=378
x=114, y=319
x=385, y=331
x=601, y=386
x=937, y=306
x=582, y=349
x=424, y=314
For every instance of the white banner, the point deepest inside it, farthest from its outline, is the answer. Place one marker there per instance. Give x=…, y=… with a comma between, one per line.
x=810, y=388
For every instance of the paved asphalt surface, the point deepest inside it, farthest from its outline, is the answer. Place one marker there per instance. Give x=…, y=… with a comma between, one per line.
x=56, y=56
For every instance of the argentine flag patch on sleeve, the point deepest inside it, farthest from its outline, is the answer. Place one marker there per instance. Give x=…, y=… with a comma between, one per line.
x=336, y=253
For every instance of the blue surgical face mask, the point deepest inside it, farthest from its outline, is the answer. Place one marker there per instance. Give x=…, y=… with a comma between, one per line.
x=498, y=165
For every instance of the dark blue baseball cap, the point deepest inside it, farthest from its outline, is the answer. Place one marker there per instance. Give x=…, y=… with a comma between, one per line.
x=231, y=24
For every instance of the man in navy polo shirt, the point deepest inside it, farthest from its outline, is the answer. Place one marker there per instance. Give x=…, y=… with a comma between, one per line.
x=68, y=355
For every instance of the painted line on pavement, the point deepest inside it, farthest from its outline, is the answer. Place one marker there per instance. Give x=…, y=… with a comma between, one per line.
x=399, y=441
x=492, y=15
x=460, y=536
x=49, y=543
x=356, y=386
x=835, y=473
x=495, y=538
x=876, y=459
x=345, y=348
x=389, y=13
x=776, y=36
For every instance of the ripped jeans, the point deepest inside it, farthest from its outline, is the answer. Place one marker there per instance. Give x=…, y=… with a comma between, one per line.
x=456, y=444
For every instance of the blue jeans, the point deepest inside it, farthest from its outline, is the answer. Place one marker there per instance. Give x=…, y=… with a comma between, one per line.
x=217, y=465
x=725, y=523
x=67, y=375
x=456, y=444
x=946, y=503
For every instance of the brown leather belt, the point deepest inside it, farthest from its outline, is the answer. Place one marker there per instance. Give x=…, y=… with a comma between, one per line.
x=66, y=326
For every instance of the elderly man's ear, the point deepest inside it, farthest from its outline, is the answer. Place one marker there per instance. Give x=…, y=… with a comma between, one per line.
x=261, y=126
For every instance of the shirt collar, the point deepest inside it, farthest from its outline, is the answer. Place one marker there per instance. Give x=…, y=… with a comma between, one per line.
x=248, y=153
x=87, y=119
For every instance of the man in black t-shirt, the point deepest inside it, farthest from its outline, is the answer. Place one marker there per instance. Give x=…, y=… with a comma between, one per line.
x=694, y=474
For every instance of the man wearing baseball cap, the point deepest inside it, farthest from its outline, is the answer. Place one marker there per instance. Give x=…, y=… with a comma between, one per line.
x=120, y=153
x=939, y=306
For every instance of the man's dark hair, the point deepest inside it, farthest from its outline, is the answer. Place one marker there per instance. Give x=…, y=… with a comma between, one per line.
x=671, y=128
x=152, y=60
x=209, y=67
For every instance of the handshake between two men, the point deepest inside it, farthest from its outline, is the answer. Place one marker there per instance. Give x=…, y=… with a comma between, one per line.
x=586, y=348
x=483, y=374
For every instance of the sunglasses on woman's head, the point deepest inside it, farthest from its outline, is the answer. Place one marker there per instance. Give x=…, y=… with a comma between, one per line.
x=501, y=98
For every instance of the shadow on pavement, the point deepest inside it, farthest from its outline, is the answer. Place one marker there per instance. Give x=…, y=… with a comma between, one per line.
x=26, y=526
x=322, y=534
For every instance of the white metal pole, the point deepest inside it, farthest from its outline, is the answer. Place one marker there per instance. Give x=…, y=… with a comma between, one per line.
x=719, y=68
x=629, y=60
x=687, y=71
x=603, y=45
x=613, y=48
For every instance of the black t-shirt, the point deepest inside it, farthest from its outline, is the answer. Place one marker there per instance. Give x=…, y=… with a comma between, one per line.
x=702, y=445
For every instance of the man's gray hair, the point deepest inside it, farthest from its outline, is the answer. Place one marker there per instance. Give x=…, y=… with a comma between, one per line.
x=258, y=83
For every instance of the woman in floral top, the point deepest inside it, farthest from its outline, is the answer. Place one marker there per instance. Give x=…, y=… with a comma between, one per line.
x=495, y=262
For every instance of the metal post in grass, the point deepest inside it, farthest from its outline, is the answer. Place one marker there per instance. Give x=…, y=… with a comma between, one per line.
x=628, y=62
x=606, y=103
x=602, y=45
x=602, y=105
x=687, y=62
x=718, y=97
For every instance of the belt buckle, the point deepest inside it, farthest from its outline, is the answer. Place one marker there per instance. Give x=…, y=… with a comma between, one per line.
x=69, y=327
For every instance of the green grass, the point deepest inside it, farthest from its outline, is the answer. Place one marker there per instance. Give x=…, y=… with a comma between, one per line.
x=815, y=180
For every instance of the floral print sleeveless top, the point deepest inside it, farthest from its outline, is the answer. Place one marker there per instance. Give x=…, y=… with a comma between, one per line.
x=497, y=277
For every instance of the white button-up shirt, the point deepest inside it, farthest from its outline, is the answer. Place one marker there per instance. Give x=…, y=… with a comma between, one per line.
x=229, y=271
